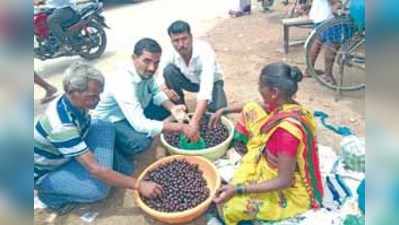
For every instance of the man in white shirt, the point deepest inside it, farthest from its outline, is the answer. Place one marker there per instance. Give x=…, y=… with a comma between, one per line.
x=321, y=11
x=192, y=67
x=133, y=102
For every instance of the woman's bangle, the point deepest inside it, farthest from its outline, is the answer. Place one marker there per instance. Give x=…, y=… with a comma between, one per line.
x=240, y=189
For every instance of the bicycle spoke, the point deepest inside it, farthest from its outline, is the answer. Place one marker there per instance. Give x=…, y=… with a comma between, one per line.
x=339, y=52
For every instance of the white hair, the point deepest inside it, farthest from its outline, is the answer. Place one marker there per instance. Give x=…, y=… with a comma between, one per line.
x=78, y=75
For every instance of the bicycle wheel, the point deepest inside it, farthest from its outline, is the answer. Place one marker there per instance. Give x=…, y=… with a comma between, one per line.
x=352, y=63
x=332, y=39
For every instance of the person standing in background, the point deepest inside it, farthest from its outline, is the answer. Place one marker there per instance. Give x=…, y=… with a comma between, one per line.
x=51, y=91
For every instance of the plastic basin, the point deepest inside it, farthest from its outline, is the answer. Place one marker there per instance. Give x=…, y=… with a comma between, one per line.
x=212, y=177
x=211, y=153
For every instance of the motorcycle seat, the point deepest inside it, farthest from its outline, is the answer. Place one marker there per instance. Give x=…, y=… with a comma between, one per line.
x=87, y=9
x=71, y=22
x=80, y=14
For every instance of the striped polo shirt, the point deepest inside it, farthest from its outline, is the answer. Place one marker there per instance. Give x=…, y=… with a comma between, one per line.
x=58, y=136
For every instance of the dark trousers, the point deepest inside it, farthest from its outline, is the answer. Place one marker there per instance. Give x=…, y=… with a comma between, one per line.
x=129, y=142
x=58, y=19
x=176, y=81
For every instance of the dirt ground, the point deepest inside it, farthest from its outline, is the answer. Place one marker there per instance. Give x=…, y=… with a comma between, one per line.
x=243, y=46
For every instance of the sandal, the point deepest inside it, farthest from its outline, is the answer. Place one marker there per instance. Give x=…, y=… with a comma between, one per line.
x=306, y=73
x=62, y=209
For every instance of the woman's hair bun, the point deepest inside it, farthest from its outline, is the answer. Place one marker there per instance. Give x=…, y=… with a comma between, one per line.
x=295, y=74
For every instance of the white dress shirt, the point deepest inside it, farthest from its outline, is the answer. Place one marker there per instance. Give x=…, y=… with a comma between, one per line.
x=202, y=69
x=126, y=96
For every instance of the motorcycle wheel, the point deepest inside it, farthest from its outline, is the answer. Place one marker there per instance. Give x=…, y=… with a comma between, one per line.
x=95, y=39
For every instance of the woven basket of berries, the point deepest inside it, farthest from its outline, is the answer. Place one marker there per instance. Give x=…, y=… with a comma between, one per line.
x=189, y=184
x=217, y=139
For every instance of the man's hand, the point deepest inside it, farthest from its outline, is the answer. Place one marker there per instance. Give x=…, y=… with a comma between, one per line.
x=186, y=130
x=215, y=118
x=191, y=132
x=179, y=112
x=225, y=193
x=172, y=95
x=150, y=189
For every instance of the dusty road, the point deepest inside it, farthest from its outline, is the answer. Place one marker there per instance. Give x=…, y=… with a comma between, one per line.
x=131, y=21
x=243, y=46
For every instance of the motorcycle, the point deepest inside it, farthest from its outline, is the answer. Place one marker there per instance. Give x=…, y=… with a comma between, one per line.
x=87, y=33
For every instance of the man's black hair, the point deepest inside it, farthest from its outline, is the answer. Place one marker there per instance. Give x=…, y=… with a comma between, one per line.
x=147, y=44
x=178, y=27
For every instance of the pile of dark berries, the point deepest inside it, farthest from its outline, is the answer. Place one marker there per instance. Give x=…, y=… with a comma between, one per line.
x=211, y=136
x=172, y=138
x=240, y=147
x=183, y=185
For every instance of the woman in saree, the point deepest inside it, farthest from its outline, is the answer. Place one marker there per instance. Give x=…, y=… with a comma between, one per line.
x=278, y=176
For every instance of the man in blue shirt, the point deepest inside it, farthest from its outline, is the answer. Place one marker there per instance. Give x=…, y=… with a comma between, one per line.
x=74, y=155
x=133, y=102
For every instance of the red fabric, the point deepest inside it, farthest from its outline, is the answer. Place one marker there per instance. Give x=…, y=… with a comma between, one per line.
x=282, y=142
x=240, y=127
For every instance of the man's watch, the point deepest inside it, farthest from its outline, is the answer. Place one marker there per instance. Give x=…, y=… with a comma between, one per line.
x=240, y=189
x=225, y=111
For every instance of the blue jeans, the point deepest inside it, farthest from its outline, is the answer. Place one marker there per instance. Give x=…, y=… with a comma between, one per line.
x=72, y=182
x=130, y=142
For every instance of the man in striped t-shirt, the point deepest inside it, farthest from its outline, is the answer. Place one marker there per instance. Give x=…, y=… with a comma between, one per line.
x=74, y=156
